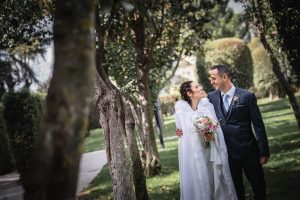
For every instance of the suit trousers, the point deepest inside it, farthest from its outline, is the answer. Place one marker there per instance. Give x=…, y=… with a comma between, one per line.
x=254, y=173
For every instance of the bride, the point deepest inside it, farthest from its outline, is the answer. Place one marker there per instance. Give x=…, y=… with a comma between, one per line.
x=204, y=172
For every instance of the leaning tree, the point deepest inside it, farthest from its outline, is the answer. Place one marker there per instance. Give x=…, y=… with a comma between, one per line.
x=260, y=15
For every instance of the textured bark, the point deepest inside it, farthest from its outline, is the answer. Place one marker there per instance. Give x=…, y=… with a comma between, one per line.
x=143, y=63
x=112, y=119
x=136, y=112
x=152, y=157
x=60, y=142
x=138, y=172
x=159, y=123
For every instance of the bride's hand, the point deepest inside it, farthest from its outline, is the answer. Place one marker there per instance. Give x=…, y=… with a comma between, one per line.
x=209, y=137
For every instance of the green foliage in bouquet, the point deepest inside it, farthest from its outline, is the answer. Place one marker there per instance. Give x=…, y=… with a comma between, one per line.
x=22, y=113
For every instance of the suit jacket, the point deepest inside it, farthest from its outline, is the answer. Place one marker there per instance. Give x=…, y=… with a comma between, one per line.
x=236, y=125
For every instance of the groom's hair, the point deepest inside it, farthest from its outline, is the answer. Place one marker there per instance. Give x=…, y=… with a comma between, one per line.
x=222, y=69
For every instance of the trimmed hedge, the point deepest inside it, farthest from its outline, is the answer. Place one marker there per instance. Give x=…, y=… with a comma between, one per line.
x=22, y=113
x=236, y=54
x=265, y=81
x=6, y=159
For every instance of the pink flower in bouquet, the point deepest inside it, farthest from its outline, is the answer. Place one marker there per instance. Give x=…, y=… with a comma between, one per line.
x=206, y=125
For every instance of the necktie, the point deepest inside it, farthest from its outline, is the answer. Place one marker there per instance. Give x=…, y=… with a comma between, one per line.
x=226, y=101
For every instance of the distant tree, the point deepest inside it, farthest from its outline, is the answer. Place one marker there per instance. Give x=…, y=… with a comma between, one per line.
x=25, y=32
x=225, y=23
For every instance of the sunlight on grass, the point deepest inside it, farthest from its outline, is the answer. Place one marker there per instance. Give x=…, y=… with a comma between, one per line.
x=95, y=141
x=282, y=172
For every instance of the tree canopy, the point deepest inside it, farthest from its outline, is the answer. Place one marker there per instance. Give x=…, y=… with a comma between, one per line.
x=24, y=33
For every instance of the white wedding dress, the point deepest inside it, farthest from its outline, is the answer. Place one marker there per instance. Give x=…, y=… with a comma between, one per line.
x=204, y=172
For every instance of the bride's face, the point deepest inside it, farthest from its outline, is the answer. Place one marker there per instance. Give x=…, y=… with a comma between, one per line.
x=197, y=92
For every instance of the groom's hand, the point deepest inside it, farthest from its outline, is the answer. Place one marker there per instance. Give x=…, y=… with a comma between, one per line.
x=263, y=160
x=179, y=132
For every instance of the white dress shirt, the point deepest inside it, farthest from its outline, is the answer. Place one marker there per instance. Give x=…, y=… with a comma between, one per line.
x=230, y=93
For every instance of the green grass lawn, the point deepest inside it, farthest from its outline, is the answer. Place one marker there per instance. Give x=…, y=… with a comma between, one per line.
x=282, y=172
x=95, y=141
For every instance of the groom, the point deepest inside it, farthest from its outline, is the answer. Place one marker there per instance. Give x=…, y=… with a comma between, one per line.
x=236, y=110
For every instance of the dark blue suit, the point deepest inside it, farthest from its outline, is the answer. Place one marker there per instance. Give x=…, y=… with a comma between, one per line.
x=244, y=148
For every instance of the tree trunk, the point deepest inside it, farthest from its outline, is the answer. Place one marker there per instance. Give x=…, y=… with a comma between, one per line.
x=159, y=123
x=143, y=66
x=112, y=119
x=152, y=157
x=275, y=63
x=55, y=171
x=137, y=115
x=283, y=80
x=138, y=172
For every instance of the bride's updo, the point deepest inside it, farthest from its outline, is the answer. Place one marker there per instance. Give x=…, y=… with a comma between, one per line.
x=184, y=89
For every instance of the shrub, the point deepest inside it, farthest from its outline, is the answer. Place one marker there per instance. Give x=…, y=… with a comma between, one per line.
x=264, y=79
x=22, y=113
x=235, y=53
x=167, y=108
x=6, y=159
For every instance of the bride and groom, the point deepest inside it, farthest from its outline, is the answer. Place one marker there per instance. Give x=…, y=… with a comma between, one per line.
x=216, y=173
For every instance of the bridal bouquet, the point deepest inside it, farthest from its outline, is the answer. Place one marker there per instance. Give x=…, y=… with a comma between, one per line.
x=206, y=125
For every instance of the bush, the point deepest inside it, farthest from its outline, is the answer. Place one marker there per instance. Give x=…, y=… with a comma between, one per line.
x=6, y=159
x=167, y=108
x=264, y=79
x=22, y=113
x=235, y=53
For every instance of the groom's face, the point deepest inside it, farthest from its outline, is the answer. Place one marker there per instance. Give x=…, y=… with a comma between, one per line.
x=216, y=79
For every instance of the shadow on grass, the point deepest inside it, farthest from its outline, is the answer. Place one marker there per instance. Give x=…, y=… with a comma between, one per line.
x=276, y=104
x=282, y=172
x=277, y=115
x=100, y=188
x=162, y=186
x=169, y=130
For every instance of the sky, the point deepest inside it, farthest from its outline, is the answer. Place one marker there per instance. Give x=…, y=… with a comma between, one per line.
x=43, y=67
x=237, y=7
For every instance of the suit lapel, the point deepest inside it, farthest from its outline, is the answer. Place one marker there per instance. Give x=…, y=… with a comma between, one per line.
x=219, y=105
x=233, y=103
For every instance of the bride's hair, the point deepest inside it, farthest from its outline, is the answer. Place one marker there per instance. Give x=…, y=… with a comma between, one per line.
x=184, y=89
